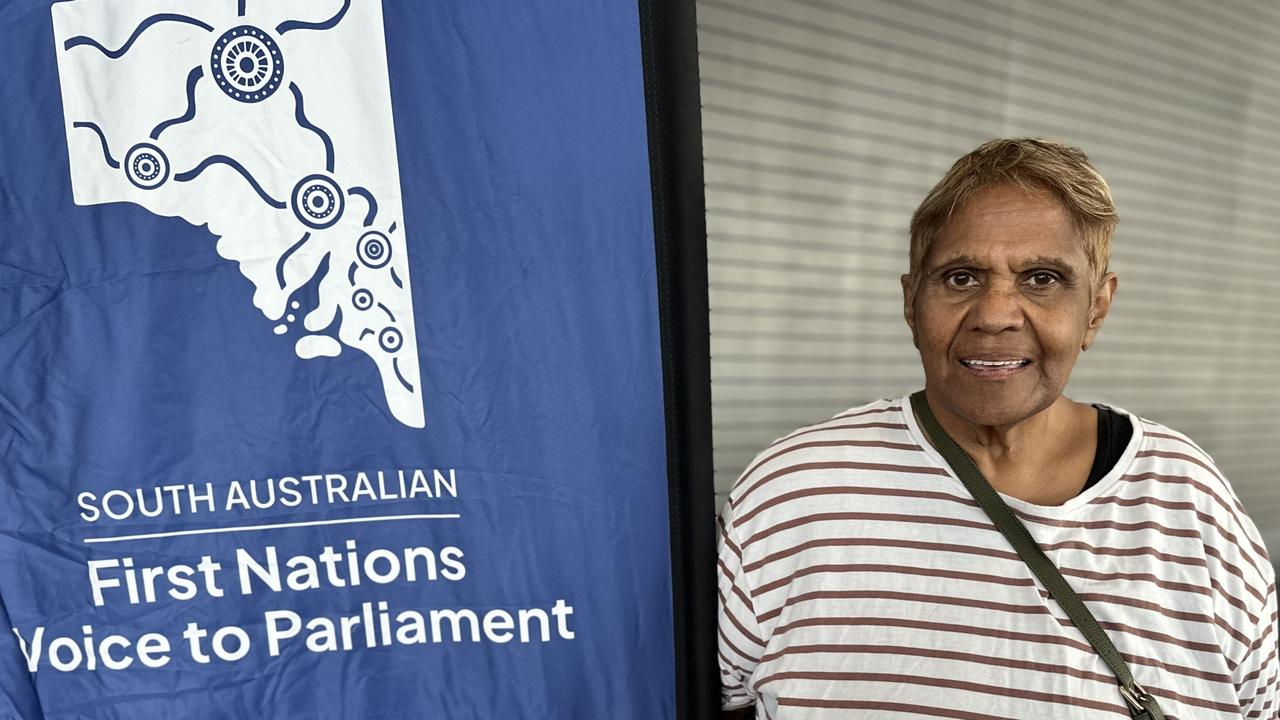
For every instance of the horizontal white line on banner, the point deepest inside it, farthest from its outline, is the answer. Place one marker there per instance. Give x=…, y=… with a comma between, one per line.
x=273, y=526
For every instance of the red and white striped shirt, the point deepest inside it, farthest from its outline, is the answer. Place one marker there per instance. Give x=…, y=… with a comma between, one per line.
x=858, y=578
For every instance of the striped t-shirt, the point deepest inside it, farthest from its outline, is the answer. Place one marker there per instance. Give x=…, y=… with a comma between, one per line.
x=858, y=578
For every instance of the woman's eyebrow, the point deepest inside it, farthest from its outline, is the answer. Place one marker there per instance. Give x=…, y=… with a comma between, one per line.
x=956, y=261
x=1047, y=261
x=1060, y=265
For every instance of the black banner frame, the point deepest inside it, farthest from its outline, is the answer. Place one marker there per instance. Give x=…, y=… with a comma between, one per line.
x=669, y=47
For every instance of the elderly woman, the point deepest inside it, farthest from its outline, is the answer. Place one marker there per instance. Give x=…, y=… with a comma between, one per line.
x=862, y=570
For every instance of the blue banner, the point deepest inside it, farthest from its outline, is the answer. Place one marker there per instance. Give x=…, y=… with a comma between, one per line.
x=332, y=377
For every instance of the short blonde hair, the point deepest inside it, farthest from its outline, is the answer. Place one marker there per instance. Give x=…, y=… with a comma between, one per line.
x=1033, y=165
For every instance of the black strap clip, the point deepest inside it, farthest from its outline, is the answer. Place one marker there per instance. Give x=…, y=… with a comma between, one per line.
x=1142, y=706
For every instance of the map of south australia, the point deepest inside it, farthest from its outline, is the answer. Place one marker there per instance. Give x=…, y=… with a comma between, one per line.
x=270, y=122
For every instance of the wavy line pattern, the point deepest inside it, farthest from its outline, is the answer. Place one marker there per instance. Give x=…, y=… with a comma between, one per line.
x=193, y=77
x=285, y=257
x=288, y=25
x=304, y=122
x=395, y=365
x=224, y=160
x=368, y=197
x=106, y=151
x=142, y=27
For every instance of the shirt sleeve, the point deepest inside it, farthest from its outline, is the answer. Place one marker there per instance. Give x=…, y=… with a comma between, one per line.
x=740, y=639
x=1258, y=674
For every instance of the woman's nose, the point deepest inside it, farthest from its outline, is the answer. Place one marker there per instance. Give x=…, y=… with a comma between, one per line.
x=997, y=308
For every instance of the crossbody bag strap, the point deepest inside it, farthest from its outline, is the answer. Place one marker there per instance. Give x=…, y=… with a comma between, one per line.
x=1142, y=706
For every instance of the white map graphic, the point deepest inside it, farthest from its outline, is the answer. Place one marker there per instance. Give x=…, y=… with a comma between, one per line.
x=270, y=122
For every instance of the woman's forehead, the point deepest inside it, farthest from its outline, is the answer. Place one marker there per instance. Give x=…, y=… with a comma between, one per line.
x=1004, y=205
x=1008, y=223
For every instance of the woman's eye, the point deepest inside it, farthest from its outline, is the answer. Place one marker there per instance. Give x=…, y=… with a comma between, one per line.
x=961, y=280
x=1042, y=279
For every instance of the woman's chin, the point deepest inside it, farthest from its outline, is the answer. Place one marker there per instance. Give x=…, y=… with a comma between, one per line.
x=997, y=408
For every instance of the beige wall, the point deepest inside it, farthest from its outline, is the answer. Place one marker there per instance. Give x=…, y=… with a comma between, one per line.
x=825, y=123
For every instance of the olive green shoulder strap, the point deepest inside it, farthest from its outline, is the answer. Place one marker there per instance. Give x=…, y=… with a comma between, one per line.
x=1142, y=705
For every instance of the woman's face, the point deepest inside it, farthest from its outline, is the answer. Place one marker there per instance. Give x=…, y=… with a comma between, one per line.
x=1005, y=303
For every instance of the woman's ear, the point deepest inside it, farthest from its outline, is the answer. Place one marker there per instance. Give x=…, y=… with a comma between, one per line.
x=1099, y=305
x=909, y=306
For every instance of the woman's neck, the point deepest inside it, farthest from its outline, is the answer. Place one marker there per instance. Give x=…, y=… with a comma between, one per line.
x=1043, y=459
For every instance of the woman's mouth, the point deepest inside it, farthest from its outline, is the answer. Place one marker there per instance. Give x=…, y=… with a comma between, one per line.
x=995, y=368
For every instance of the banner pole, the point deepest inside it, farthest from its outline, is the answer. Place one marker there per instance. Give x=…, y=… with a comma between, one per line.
x=668, y=32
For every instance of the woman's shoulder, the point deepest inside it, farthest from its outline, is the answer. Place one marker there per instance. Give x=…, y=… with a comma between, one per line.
x=1163, y=453
x=1179, y=472
x=1164, y=441
x=870, y=437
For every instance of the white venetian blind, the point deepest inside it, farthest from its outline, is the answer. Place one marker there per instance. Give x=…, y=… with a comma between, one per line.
x=826, y=122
